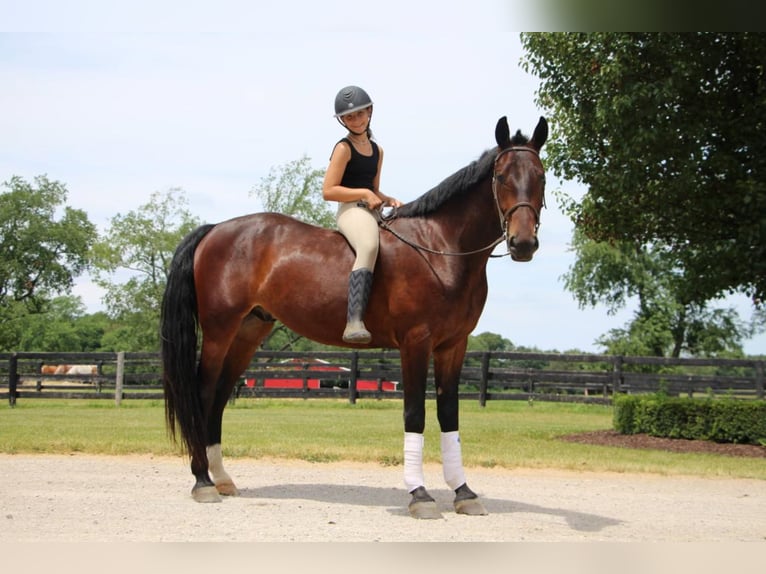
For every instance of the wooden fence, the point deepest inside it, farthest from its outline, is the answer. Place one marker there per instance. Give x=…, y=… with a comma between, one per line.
x=376, y=374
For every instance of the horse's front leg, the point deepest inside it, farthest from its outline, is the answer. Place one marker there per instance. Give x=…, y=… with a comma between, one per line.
x=447, y=367
x=415, y=358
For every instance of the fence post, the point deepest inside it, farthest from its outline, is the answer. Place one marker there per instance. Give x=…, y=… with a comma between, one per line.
x=483, y=382
x=13, y=378
x=759, y=379
x=354, y=375
x=617, y=374
x=119, y=378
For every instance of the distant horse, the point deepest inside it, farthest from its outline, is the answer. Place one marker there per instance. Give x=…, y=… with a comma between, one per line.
x=82, y=370
x=232, y=280
x=69, y=370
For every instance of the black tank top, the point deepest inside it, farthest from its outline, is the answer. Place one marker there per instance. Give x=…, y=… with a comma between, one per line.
x=360, y=169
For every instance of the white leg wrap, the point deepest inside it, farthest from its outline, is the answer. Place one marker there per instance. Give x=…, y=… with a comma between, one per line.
x=452, y=459
x=413, y=460
x=215, y=464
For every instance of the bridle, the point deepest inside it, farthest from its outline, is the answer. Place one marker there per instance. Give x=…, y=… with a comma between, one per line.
x=504, y=216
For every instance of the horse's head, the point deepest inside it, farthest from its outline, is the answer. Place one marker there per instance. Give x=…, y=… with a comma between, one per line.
x=518, y=184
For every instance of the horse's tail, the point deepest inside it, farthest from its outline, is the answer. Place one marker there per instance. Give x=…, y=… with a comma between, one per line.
x=178, y=345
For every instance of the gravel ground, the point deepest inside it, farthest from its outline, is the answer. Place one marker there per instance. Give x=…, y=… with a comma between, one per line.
x=84, y=498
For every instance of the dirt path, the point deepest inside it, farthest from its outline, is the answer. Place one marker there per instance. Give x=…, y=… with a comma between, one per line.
x=144, y=498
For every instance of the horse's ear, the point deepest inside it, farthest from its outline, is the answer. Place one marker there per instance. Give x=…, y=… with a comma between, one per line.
x=502, y=133
x=540, y=135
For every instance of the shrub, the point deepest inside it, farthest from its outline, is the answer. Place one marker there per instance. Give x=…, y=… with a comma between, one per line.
x=719, y=420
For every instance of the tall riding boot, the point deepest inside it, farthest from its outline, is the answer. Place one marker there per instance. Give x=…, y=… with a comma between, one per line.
x=359, y=286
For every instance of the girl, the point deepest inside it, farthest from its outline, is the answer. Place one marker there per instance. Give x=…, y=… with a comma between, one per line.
x=353, y=180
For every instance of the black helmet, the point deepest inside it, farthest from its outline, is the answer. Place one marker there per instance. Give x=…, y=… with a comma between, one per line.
x=351, y=99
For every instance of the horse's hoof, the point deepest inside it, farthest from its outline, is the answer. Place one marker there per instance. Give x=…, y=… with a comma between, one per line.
x=467, y=502
x=471, y=507
x=206, y=494
x=424, y=510
x=227, y=489
x=422, y=505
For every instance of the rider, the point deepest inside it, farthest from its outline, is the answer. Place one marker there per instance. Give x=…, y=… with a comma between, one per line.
x=353, y=179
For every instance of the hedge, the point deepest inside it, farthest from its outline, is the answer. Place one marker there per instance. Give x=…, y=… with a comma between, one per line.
x=718, y=420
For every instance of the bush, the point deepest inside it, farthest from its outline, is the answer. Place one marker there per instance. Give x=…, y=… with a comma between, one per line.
x=719, y=420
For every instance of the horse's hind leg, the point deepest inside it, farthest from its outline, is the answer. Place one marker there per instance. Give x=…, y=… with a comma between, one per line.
x=240, y=353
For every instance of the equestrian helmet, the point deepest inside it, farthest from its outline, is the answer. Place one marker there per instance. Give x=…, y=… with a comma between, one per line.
x=351, y=99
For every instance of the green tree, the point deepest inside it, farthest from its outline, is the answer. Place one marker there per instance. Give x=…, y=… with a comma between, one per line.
x=131, y=263
x=664, y=323
x=44, y=246
x=666, y=131
x=295, y=188
x=62, y=326
x=487, y=341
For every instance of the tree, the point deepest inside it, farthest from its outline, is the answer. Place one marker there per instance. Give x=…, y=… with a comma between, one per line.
x=137, y=249
x=666, y=131
x=487, y=341
x=44, y=246
x=62, y=326
x=295, y=188
x=664, y=324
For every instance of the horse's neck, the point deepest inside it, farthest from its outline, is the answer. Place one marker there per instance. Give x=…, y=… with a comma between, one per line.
x=471, y=220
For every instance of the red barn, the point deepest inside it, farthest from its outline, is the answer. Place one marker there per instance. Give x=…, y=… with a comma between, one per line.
x=315, y=383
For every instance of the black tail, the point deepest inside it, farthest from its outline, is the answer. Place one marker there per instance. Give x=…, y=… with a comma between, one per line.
x=178, y=344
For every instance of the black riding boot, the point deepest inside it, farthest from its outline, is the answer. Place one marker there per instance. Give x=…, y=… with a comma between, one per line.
x=359, y=286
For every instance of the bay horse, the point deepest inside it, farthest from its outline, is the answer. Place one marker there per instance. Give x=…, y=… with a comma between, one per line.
x=230, y=281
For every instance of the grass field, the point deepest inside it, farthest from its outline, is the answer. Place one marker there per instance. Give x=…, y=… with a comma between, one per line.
x=506, y=434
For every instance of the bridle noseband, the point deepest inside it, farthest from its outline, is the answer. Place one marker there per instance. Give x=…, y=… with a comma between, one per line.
x=496, y=179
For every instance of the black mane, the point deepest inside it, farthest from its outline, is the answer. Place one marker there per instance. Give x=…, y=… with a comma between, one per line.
x=457, y=183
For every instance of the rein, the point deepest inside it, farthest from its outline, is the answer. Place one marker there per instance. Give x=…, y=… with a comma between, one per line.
x=383, y=221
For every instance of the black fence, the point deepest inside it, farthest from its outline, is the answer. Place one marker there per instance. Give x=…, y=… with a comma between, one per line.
x=376, y=374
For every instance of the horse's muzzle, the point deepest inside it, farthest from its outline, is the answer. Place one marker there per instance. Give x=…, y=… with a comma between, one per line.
x=522, y=250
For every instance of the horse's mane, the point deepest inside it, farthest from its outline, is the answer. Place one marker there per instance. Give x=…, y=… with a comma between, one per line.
x=457, y=183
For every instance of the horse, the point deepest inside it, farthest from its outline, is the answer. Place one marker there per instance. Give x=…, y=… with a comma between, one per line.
x=69, y=369
x=229, y=282
x=82, y=370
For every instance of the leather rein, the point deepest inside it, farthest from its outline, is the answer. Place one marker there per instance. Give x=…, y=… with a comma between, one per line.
x=504, y=216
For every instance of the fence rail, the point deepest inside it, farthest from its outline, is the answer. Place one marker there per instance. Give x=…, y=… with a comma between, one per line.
x=377, y=374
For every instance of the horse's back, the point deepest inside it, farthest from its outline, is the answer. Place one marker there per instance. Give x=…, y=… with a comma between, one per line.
x=272, y=261
x=270, y=231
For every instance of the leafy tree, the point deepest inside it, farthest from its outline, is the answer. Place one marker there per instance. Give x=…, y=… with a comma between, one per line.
x=487, y=341
x=44, y=245
x=664, y=324
x=62, y=326
x=131, y=264
x=295, y=188
x=666, y=131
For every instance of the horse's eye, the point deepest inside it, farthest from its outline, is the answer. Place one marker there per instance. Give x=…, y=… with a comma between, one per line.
x=500, y=178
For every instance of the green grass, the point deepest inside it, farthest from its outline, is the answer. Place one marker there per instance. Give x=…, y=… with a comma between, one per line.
x=504, y=434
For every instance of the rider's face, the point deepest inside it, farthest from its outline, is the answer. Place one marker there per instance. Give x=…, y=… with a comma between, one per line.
x=358, y=120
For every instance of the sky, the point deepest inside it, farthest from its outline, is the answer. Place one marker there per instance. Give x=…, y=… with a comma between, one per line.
x=128, y=102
